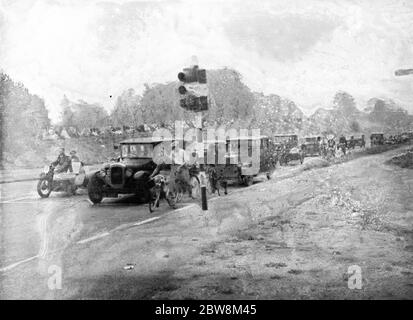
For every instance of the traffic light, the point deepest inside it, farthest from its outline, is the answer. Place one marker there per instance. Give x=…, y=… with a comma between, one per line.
x=403, y=72
x=193, y=89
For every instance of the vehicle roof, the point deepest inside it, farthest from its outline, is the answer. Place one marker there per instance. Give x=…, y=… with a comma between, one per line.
x=146, y=140
x=215, y=141
x=247, y=138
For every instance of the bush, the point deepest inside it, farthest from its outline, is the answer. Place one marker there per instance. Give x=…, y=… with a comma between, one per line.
x=404, y=160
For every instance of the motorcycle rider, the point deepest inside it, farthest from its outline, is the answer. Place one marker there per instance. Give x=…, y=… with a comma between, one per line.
x=62, y=163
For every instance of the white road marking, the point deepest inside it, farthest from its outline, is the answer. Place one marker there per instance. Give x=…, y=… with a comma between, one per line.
x=98, y=236
x=20, y=202
x=183, y=208
x=44, y=248
x=146, y=221
x=9, y=267
x=17, y=199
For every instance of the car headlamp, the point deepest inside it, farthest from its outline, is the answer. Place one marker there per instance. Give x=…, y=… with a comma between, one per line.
x=128, y=173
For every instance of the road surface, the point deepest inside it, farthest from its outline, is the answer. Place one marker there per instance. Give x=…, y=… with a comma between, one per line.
x=302, y=229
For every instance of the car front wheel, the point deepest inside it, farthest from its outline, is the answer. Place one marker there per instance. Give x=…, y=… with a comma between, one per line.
x=94, y=189
x=248, y=180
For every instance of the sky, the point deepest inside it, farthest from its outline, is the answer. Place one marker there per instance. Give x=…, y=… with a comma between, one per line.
x=304, y=50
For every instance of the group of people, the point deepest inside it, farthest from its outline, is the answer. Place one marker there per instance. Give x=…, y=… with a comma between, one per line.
x=328, y=146
x=64, y=162
x=177, y=162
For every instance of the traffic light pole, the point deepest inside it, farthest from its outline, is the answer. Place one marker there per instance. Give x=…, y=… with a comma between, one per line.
x=202, y=174
x=194, y=97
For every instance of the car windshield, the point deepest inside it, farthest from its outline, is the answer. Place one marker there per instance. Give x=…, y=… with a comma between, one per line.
x=137, y=151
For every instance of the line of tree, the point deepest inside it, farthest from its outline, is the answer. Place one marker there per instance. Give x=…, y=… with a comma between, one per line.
x=22, y=116
x=159, y=104
x=233, y=103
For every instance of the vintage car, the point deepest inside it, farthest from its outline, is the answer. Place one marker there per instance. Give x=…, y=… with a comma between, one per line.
x=377, y=139
x=287, y=148
x=311, y=146
x=236, y=170
x=397, y=138
x=129, y=175
x=407, y=137
x=356, y=142
x=391, y=140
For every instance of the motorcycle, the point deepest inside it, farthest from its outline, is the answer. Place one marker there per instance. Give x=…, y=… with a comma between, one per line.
x=66, y=181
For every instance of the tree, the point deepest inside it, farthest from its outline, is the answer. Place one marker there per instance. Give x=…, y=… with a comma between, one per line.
x=273, y=114
x=355, y=126
x=83, y=115
x=22, y=117
x=67, y=112
x=128, y=110
x=390, y=114
x=345, y=103
x=230, y=98
x=160, y=104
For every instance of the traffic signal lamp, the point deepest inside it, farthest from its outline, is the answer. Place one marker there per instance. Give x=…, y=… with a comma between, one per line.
x=192, y=103
x=193, y=89
x=189, y=75
x=403, y=72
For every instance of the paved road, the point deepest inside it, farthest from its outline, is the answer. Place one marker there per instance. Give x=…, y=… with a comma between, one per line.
x=24, y=175
x=32, y=227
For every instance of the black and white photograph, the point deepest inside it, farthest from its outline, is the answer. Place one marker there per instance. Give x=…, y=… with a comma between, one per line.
x=206, y=150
